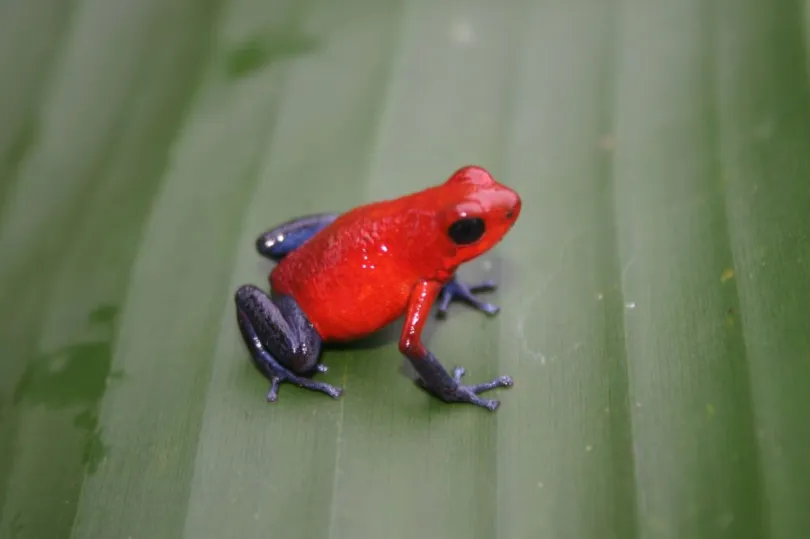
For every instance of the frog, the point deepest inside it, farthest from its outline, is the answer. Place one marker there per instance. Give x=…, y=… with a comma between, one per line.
x=341, y=277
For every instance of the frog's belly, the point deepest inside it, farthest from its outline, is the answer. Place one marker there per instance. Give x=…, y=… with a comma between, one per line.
x=345, y=302
x=353, y=312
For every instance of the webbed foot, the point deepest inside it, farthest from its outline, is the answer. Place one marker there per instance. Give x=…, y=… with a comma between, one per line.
x=462, y=393
x=455, y=290
x=279, y=375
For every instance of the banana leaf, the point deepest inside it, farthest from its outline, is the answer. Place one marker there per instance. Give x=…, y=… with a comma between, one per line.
x=653, y=293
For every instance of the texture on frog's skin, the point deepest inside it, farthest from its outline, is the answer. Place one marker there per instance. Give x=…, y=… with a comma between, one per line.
x=341, y=277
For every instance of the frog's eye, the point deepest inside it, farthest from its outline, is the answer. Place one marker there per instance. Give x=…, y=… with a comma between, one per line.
x=467, y=230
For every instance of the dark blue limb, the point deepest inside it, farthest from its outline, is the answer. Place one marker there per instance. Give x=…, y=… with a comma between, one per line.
x=282, y=343
x=434, y=379
x=455, y=290
x=278, y=242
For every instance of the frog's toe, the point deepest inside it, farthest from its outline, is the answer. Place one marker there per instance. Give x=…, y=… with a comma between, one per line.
x=489, y=284
x=272, y=394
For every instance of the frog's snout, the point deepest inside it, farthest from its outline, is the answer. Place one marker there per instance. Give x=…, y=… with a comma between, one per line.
x=513, y=210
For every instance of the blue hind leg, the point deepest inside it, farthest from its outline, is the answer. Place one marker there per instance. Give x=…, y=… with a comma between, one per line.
x=280, y=241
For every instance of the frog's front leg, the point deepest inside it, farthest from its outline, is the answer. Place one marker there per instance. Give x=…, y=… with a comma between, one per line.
x=278, y=242
x=456, y=290
x=282, y=342
x=433, y=376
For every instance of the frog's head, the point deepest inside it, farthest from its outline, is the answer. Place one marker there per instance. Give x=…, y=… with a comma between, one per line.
x=477, y=213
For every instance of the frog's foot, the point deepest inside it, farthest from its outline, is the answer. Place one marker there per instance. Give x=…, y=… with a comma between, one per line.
x=468, y=393
x=456, y=290
x=279, y=375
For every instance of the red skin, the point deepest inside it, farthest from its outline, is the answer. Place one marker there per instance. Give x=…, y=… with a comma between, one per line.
x=380, y=261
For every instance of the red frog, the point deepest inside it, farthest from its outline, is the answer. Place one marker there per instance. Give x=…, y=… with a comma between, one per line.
x=343, y=277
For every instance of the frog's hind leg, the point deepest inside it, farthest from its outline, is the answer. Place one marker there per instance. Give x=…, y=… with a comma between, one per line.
x=278, y=242
x=282, y=343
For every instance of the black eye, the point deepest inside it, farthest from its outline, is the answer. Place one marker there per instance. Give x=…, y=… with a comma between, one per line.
x=467, y=230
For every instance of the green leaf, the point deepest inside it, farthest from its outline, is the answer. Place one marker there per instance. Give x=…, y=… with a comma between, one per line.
x=653, y=292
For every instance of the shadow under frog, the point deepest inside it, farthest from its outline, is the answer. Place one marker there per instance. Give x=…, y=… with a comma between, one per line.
x=75, y=375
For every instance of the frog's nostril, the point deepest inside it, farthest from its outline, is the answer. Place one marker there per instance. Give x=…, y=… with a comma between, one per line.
x=512, y=212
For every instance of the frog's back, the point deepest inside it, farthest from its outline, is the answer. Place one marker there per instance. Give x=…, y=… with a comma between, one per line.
x=355, y=276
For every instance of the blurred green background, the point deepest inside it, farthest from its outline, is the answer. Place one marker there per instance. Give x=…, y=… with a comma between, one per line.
x=654, y=291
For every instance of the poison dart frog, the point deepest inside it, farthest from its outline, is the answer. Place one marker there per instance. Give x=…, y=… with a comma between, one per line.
x=341, y=277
